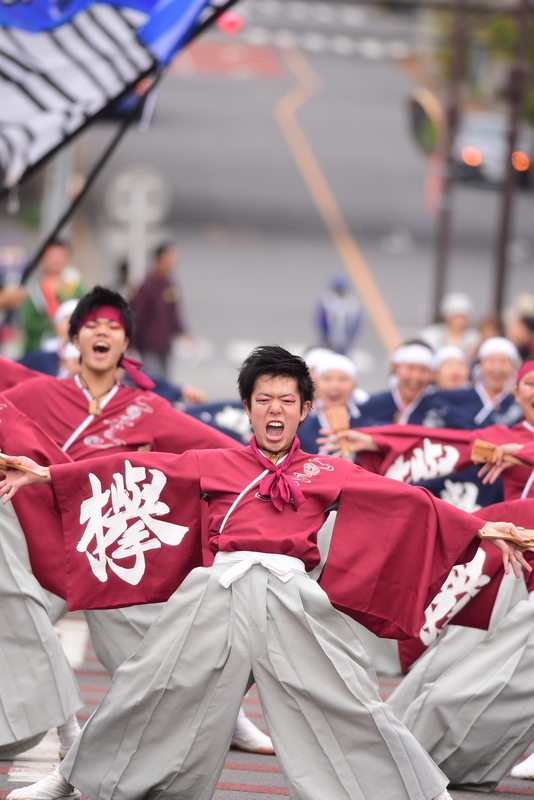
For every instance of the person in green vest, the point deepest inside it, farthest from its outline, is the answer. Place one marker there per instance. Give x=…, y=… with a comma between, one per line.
x=54, y=282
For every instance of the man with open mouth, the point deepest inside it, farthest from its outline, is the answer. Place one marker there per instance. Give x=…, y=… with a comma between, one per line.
x=163, y=728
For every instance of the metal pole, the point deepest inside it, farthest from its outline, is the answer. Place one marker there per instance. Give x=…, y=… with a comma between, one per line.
x=104, y=158
x=456, y=73
x=517, y=87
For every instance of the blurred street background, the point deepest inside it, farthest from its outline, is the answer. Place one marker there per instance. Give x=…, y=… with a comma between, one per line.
x=276, y=158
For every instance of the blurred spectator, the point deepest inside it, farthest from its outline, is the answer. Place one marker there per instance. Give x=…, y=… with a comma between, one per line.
x=451, y=370
x=491, y=401
x=338, y=315
x=122, y=283
x=157, y=311
x=336, y=387
x=522, y=306
x=521, y=333
x=54, y=282
x=412, y=398
x=12, y=297
x=48, y=359
x=489, y=327
x=457, y=310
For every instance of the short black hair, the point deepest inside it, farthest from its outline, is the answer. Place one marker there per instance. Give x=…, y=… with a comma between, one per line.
x=162, y=248
x=420, y=342
x=57, y=242
x=101, y=296
x=274, y=361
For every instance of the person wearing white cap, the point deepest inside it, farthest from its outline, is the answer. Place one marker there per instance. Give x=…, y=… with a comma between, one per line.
x=451, y=370
x=491, y=401
x=411, y=398
x=456, y=310
x=335, y=379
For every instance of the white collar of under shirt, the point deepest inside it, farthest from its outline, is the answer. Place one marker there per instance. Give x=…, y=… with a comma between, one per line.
x=528, y=426
x=87, y=421
x=488, y=404
x=406, y=410
x=246, y=489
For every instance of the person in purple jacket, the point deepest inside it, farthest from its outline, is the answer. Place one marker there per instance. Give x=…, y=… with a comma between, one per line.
x=157, y=312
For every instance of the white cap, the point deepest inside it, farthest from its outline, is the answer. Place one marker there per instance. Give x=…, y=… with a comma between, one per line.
x=456, y=303
x=314, y=355
x=413, y=354
x=446, y=352
x=65, y=310
x=330, y=360
x=69, y=351
x=498, y=344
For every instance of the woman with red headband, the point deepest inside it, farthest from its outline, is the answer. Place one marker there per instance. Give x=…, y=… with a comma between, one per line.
x=94, y=414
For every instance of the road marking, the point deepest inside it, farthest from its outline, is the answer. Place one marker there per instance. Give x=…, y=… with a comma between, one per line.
x=285, y=113
x=36, y=763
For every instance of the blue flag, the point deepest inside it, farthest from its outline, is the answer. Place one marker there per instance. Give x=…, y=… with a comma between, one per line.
x=64, y=61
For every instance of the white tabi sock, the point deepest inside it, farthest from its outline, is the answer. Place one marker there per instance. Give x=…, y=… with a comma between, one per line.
x=249, y=738
x=53, y=787
x=525, y=769
x=444, y=795
x=67, y=734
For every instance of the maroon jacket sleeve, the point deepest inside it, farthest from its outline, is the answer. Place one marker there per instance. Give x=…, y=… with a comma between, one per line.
x=34, y=506
x=177, y=432
x=12, y=373
x=131, y=525
x=526, y=454
x=402, y=441
x=391, y=549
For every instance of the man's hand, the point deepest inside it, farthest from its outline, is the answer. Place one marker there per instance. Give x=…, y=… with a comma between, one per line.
x=493, y=469
x=193, y=395
x=12, y=480
x=354, y=441
x=12, y=297
x=510, y=553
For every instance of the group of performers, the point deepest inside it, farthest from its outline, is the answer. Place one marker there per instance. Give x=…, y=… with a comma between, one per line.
x=192, y=553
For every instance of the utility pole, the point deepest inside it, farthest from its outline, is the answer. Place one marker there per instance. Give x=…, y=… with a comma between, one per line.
x=517, y=87
x=453, y=112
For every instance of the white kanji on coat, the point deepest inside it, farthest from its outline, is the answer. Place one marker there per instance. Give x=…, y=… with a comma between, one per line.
x=121, y=525
x=463, y=582
x=432, y=460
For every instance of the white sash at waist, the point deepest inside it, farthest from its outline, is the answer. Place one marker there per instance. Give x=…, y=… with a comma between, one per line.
x=242, y=560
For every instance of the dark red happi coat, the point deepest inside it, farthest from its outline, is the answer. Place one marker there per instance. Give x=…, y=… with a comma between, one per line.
x=12, y=373
x=133, y=419
x=415, y=453
x=468, y=595
x=392, y=544
x=35, y=505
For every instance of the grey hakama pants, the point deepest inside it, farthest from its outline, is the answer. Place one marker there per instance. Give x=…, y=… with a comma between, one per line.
x=164, y=727
x=478, y=717
x=116, y=633
x=454, y=644
x=38, y=690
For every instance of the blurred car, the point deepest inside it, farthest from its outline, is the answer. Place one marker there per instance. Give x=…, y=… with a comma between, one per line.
x=481, y=150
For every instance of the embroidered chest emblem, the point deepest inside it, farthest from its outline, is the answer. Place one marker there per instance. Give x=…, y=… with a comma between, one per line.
x=312, y=468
